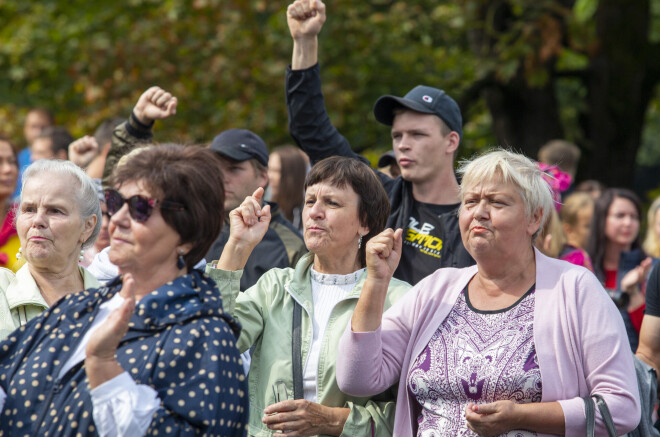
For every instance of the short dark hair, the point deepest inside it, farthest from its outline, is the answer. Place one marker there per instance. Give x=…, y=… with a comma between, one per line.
x=597, y=239
x=188, y=175
x=374, y=205
x=103, y=133
x=60, y=138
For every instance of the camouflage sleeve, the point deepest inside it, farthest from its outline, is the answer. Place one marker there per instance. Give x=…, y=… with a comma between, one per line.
x=126, y=137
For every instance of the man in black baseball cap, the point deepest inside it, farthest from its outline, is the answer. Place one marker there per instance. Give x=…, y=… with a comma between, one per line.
x=244, y=158
x=426, y=129
x=423, y=99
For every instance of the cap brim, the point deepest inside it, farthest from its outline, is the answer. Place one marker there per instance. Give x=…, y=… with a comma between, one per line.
x=385, y=105
x=386, y=160
x=233, y=154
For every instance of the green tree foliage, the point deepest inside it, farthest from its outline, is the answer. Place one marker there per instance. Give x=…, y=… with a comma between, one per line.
x=523, y=71
x=225, y=60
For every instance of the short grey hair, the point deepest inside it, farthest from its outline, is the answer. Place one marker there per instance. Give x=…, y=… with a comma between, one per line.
x=85, y=196
x=510, y=168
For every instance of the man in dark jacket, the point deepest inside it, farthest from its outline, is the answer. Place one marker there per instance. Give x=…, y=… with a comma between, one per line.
x=426, y=131
x=245, y=168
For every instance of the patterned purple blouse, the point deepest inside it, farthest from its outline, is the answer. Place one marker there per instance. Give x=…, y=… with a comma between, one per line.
x=479, y=357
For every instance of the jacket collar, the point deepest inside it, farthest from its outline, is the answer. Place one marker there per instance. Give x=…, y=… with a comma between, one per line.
x=299, y=286
x=23, y=289
x=187, y=297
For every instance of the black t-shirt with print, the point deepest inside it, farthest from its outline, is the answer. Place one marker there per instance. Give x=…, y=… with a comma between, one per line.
x=428, y=240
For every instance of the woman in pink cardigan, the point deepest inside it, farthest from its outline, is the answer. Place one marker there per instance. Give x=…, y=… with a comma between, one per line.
x=506, y=347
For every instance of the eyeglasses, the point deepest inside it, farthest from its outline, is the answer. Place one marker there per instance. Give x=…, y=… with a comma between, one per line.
x=139, y=207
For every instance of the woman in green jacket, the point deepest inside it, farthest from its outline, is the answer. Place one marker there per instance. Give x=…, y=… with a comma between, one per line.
x=293, y=389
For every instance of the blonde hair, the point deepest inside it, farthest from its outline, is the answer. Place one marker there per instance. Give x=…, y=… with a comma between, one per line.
x=572, y=206
x=510, y=168
x=651, y=243
x=554, y=229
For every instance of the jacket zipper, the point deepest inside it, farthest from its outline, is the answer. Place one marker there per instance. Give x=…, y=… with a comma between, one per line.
x=42, y=416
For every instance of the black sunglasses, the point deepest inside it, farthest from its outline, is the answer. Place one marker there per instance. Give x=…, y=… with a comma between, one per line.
x=139, y=207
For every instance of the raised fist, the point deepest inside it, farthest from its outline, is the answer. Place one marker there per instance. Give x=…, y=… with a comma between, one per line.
x=305, y=18
x=155, y=104
x=83, y=150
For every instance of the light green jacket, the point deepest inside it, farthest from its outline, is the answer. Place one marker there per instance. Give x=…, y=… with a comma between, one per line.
x=266, y=313
x=21, y=300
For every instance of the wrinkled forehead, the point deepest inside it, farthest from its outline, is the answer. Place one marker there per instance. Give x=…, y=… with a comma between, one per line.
x=473, y=182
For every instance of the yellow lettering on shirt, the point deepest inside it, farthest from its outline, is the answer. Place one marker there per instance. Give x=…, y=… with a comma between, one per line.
x=427, y=244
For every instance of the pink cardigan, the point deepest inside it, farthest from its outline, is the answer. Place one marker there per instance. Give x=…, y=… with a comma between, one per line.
x=579, y=336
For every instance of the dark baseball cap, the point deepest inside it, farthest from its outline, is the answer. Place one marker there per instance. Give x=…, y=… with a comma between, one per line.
x=241, y=145
x=386, y=159
x=422, y=99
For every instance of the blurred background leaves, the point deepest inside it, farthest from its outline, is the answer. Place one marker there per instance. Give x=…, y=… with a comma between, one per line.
x=524, y=71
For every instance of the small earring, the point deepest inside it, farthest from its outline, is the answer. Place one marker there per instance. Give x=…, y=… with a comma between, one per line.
x=180, y=262
x=19, y=254
x=82, y=255
x=360, y=242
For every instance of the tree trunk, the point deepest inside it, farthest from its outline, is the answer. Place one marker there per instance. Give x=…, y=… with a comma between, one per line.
x=620, y=79
x=524, y=118
x=619, y=90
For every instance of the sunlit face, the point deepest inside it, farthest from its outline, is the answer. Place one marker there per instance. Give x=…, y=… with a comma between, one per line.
x=419, y=146
x=622, y=223
x=493, y=222
x=35, y=122
x=240, y=180
x=49, y=224
x=8, y=170
x=274, y=174
x=331, y=222
x=138, y=247
x=578, y=234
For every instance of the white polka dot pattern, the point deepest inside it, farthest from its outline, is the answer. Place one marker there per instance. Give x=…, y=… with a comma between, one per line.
x=179, y=342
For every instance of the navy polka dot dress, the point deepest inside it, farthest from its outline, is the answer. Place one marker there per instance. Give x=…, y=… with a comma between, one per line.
x=179, y=342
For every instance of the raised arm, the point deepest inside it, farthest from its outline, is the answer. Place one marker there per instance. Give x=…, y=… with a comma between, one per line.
x=373, y=354
x=248, y=225
x=383, y=254
x=154, y=104
x=83, y=150
x=309, y=123
x=305, y=19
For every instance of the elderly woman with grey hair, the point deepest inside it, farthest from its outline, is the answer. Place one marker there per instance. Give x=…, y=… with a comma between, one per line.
x=58, y=216
x=507, y=347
